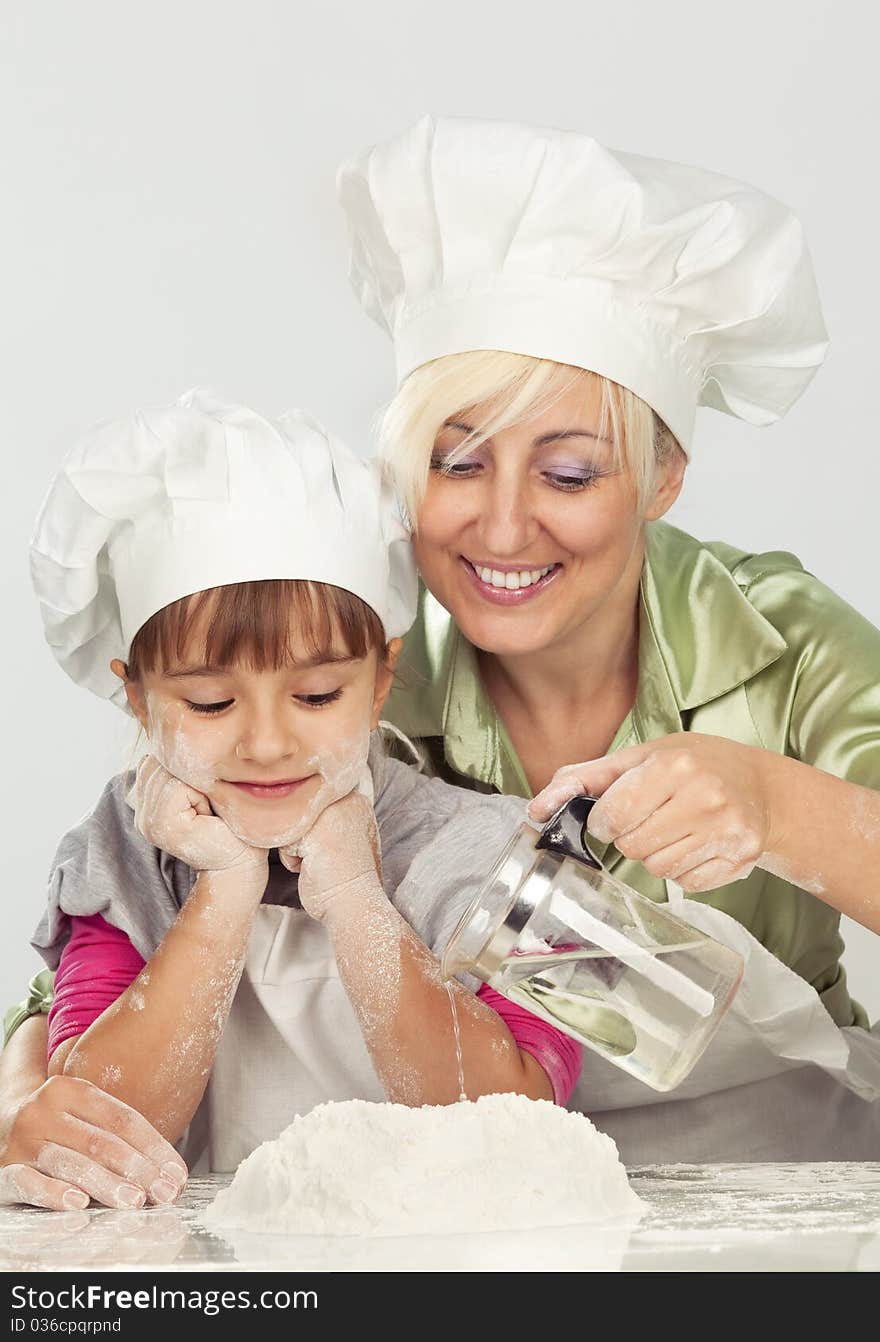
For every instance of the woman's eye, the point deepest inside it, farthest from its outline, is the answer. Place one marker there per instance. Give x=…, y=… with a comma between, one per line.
x=457, y=469
x=210, y=708
x=569, y=482
x=318, y=700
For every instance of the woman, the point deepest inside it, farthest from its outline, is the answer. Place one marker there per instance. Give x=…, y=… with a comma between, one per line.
x=558, y=311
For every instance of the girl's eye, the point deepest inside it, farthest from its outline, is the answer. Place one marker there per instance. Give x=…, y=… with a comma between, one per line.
x=570, y=483
x=456, y=469
x=318, y=700
x=210, y=708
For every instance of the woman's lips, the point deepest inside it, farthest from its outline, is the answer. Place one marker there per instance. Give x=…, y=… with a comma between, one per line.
x=270, y=791
x=508, y=596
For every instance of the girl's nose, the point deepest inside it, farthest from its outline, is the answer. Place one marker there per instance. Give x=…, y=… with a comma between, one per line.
x=267, y=736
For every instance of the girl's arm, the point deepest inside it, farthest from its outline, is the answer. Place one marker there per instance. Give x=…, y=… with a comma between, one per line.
x=154, y=1047
x=405, y=1013
x=393, y=980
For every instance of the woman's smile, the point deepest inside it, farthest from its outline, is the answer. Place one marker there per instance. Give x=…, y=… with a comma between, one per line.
x=508, y=584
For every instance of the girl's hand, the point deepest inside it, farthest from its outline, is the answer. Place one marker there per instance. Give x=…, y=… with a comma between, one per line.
x=338, y=859
x=70, y=1141
x=179, y=820
x=693, y=809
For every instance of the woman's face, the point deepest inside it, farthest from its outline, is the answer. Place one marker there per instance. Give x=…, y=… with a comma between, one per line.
x=535, y=532
x=270, y=749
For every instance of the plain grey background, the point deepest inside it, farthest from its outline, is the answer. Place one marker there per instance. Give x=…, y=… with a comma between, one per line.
x=168, y=218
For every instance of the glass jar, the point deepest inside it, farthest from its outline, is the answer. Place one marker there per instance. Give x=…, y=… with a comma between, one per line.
x=556, y=933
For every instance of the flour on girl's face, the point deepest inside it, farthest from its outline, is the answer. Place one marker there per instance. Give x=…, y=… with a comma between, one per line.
x=198, y=763
x=202, y=760
x=338, y=771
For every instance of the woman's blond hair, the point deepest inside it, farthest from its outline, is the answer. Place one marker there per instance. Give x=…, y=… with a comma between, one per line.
x=520, y=388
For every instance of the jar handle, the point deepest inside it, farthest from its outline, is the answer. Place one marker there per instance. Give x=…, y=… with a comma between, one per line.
x=563, y=833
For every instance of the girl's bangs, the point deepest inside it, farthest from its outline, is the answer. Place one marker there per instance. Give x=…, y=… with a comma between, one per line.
x=264, y=625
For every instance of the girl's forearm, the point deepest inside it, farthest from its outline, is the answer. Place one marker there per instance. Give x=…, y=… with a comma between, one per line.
x=154, y=1047
x=403, y=1006
x=825, y=837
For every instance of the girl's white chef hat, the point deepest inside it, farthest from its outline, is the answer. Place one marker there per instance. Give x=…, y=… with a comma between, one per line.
x=686, y=287
x=199, y=494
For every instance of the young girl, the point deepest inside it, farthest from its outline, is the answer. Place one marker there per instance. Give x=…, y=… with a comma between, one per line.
x=227, y=953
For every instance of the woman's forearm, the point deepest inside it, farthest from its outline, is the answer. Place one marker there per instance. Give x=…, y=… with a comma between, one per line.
x=825, y=837
x=155, y=1046
x=23, y=1062
x=403, y=1006
x=65, y=1140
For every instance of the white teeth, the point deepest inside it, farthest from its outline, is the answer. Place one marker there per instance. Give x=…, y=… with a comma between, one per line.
x=493, y=577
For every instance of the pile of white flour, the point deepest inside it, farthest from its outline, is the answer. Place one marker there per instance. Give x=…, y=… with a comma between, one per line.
x=501, y=1163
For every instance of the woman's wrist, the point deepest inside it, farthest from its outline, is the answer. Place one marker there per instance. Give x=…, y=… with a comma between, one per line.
x=788, y=793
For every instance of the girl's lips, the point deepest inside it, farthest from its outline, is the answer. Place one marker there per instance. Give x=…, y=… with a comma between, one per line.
x=268, y=791
x=508, y=596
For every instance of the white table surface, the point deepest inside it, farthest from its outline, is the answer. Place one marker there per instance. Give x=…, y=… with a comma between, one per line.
x=805, y=1217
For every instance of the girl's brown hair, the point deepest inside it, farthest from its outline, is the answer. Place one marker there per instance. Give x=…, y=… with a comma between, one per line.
x=251, y=623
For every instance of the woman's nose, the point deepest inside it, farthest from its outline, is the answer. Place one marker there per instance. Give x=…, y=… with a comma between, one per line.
x=506, y=524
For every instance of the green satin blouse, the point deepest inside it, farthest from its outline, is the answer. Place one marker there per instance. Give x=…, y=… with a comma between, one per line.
x=749, y=647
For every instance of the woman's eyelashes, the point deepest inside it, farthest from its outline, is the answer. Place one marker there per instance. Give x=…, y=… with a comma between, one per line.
x=454, y=467
x=571, y=481
x=308, y=700
x=568, y=479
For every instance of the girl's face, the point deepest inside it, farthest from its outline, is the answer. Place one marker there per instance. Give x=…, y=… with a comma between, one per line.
x=269, y=749
x=535, y=531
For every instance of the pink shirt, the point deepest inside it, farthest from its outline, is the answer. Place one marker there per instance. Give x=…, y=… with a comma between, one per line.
x=99, y=963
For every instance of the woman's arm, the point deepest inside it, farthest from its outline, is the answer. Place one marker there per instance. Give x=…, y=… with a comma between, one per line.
x=703, y=811
x=393, y=980
x=63, y=1141
x=154, y=1047
x=824, y=837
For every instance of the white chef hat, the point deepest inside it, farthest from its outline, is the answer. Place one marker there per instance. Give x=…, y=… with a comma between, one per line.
x=686, y=287
x=200, y=494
